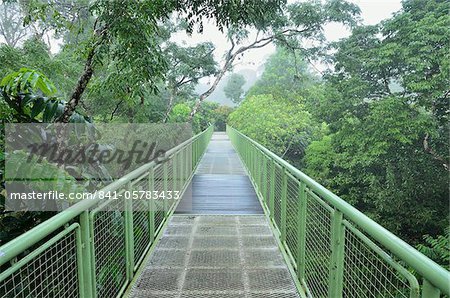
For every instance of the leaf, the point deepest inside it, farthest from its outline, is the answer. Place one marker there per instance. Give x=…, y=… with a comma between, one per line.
x=37, y=107
x=50, y=110
x=27, y=99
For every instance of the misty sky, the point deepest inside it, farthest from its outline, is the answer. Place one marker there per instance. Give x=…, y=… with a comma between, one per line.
x=372, y=12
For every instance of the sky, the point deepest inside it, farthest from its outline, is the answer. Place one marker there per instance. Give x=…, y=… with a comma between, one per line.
x=372, y=12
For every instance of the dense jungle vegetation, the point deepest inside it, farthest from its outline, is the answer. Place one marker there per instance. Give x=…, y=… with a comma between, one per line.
x=373, y=128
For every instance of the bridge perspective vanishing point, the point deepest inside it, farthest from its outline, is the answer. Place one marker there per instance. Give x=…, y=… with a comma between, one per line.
x=248, y=224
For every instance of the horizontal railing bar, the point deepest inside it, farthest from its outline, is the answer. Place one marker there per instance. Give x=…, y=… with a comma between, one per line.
x=39, y=232
x=5, y=274
x=426, y=267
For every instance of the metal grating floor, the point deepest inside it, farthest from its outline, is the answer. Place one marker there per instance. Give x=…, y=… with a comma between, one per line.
x=216, y=256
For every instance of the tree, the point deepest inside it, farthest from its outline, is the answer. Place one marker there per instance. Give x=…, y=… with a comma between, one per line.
x=206, y=116
x=189, y=65
x=221, y=117
x=233, y=89
x=384, y=107
x=11, y=23
x=286, y=75
x=282, y=126
x=127, y=33
x=295, y=26
x=437, y=248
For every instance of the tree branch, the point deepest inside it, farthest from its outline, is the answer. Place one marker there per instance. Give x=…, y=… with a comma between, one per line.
x=84, y=79
x=115, y=109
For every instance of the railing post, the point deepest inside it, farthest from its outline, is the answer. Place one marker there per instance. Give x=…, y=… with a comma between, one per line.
x=182, y=165
x=430, y=291
x=151, y=212
x=86, y=289
x=194, y=151
x=283, y=206
x=186, y=165
x=301, y=231
x=249, y=155
x=165, y=187
x=252, y=161
x=272, y=190
x=337, y=255
x=259, y=169
x=129, y=235
x=264, y=182
x=175, y=183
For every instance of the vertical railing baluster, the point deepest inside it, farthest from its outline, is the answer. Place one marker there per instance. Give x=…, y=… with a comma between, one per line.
x=301, y=231
x=186, y=164
x=430, y=291
x=129, y=235
x=86, y=290
x=165, y=187
x=265, y=184
x=180, y=170
x=283, y=205
x=272, y=189
x=151, y=211
x=259, y=170
x=336, y=270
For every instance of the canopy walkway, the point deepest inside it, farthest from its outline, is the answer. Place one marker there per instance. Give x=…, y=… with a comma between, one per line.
x=248, y=225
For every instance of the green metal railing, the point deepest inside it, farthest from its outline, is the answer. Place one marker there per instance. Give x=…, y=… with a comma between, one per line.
x=94, y=248
x=335, y=250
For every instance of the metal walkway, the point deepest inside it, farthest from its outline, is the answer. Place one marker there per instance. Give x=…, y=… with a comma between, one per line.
x=220, y=184
x=233, y=254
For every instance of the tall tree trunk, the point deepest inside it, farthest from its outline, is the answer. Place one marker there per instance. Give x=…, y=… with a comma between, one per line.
x=79, y=89
x=169, y=106
x=208, y=92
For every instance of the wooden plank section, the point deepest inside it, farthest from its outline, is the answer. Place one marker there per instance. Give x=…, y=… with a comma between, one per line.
x=220, y=184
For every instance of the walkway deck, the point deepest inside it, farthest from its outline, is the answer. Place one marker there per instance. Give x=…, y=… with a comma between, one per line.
x=220, y=184
x=205, y=254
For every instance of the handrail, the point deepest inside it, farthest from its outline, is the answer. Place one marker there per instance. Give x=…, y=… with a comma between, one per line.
x=183, y=160
x=431, y=271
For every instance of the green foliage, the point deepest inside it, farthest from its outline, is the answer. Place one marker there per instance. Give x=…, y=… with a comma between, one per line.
x=27, y=81
x=274, y=111
x=320, y=158
x=221, y=117
x=374, y=163
x=131, y=42
x=180, y=113
x=26, y=93
x=437, y=248
x=285, y=76
x=233, y=89
x=62, y=69
x=210, y=113
x=388, y=144
x=280, y=125
x=12, y=224
x=205, y=117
